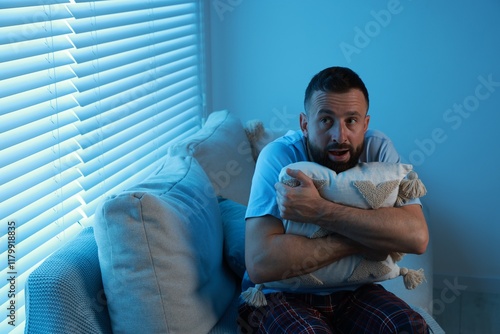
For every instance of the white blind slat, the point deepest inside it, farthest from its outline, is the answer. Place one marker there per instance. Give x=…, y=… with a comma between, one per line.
x=175, y=14
x=37, y=47
x=23, y=133
x=165, y=99
x=57, y=215
x=141, y=133
x=113, y=48
x=35, y=96
x=35, y=80
x=167, y=52
x=136, y=84
x=33, y=113
x=39, y=148
x=30, y=178
x=86, y=8
x=25, y=66
x=43, y=194
x=31, y=11
x=172, y=59
x=133, y=96
x=36, y=238
x=88, y=39
x=26, y=32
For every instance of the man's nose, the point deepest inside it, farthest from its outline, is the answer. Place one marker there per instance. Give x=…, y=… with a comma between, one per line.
x=338, y=133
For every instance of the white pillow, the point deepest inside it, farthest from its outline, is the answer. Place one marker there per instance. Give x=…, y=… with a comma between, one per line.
x=223, y=150
x=367, y=185
x=160, y=251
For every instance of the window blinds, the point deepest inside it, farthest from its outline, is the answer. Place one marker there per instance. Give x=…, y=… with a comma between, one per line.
x=92, y=93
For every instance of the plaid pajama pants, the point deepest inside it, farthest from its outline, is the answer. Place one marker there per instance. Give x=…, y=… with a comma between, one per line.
x=369, y=309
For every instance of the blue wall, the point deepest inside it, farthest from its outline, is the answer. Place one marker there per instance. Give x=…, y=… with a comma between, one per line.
x=433, y=72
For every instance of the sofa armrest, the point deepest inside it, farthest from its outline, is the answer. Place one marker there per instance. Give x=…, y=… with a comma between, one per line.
x=65, y=293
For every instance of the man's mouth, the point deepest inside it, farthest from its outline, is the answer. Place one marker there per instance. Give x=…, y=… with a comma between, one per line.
x=339, y=155
x=338, y=152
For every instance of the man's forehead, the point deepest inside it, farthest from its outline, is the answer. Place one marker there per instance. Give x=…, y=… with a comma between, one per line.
x=352, y=93
x=352, y=101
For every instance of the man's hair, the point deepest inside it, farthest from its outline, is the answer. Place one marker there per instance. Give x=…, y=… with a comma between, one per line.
x=335, y=80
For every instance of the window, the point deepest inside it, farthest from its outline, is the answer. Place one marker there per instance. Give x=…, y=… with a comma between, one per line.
x=91, y=95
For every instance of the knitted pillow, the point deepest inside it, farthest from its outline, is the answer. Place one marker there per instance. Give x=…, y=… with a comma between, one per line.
x=368, y=186
x=66, y=293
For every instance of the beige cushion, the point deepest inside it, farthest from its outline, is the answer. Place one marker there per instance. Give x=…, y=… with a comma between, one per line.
x=160, y=251
x=223, y=150
x=367, y=185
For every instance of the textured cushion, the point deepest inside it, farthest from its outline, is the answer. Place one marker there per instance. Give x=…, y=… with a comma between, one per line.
x=223, y=150
x=65, y=293
x=367, y=185
x=160, y=248
x=233, y=222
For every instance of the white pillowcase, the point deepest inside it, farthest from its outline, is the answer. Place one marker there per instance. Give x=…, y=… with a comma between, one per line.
x=368, y=186
x=345, y=187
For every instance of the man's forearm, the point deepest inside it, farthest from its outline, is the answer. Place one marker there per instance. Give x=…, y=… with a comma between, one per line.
x=271, y=255
x=401, y=229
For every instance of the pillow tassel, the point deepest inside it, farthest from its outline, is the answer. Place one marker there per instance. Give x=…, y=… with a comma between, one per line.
x=254, y=296
x=397, y=256
x=255, y=131
x=411, y=187
x=412, y=278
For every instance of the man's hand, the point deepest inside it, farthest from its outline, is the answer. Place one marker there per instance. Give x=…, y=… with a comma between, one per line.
x=298, y=203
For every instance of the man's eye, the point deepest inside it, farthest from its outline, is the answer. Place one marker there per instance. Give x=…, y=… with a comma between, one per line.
x=352, y=121
x=325, y=120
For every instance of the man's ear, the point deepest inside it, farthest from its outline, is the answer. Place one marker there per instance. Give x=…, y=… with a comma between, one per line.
x=367, y=121
x=303, y=124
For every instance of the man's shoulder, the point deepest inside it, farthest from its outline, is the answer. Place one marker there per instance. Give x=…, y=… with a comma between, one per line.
x=376, y=135
x=376, y=139
x=292, y=139
x=287, y=148
x=378, y=147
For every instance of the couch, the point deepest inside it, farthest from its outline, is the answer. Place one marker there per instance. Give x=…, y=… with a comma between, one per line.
x=166, y=256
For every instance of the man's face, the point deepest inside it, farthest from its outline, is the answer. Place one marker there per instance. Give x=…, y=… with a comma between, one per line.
x=335, y=127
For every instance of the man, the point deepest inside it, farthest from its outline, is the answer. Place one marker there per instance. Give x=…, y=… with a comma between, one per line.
x=334, y=132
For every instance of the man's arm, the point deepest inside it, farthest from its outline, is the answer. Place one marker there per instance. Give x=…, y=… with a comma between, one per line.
x=400, y=229
x=271, y=255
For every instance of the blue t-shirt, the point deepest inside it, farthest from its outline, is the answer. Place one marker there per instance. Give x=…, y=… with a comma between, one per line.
x=292, y=148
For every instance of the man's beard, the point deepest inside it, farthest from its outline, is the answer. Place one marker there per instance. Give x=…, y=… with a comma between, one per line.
x=320, y=156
